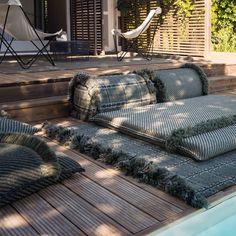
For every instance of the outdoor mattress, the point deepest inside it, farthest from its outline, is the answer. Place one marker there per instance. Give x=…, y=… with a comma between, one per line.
x=200, y=127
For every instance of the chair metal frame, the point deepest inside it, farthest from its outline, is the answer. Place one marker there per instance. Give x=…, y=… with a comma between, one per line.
x=133, y=44
x=41, y=51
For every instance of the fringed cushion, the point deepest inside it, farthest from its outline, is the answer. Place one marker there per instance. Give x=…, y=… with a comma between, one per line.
x=207, y=145
x=92, y=95
x=13, y=126
x=177, y=124
x=174, y=84
x=27, y=165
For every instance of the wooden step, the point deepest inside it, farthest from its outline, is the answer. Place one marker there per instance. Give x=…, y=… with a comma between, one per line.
x=38, y=109
x=219, y=69
x=222, y=83
x=28, y=86
x=53, y=107
x=33, y=91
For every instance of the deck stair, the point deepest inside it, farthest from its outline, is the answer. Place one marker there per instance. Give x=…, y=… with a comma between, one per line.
x=44, y=95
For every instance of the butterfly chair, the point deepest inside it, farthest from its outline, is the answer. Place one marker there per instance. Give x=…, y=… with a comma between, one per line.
x=15, y=23
x=132, y=36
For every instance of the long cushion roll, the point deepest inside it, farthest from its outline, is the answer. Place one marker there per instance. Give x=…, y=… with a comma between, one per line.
x=181, y=83
x=207, y=145
x=91, y=95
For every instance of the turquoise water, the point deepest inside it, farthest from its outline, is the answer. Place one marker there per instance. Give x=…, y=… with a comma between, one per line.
x=226, y=227
x=219, y=220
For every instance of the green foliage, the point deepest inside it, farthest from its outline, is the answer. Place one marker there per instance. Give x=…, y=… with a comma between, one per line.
x=182, y=7
x=224, y=25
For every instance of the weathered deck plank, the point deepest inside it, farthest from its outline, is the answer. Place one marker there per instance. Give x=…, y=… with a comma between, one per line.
x=145, y=201
x=80, y=212
x=44, y=218
x=116, y=208
x=13, y=224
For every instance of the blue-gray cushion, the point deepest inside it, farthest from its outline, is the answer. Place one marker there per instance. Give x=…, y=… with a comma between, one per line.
x=27, y=165
x=13, y=126
x=91, y=95
x=181, y=83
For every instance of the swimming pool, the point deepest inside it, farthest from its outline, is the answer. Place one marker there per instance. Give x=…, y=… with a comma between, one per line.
x=220, y=220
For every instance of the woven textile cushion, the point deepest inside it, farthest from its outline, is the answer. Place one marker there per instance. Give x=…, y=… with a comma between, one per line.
x=92, y=95
x=177, y=84
x=156, y=123
x=13, y=126
x=174, y=84
x=210, y=144
x=29, y=166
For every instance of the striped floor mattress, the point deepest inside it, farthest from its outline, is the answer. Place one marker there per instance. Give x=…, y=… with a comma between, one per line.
x=201, y=127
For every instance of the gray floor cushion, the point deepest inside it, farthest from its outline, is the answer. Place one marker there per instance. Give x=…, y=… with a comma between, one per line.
x=27, y=165
x=178, y=83
x=190, y=180
x=166, y=123
x=91, y=95
x=13, y=126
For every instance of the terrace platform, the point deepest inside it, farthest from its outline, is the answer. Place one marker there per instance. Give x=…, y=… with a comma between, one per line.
x=44, y=88
x=101, y=201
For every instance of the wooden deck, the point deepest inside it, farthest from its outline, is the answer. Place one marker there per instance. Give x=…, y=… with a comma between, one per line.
x=101, y=201
x=12, y=75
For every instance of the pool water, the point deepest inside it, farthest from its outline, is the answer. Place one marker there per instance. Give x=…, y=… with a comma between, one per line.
x=219, y=220
x=226, y=227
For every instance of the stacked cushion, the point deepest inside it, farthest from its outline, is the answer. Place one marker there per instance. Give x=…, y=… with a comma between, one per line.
x=181, y=83
x=200, y=127
x=27, y=165
x=91, y=95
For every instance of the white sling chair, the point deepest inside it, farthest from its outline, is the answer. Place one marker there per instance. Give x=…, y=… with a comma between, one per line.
x=132, y=35
x=14, y=22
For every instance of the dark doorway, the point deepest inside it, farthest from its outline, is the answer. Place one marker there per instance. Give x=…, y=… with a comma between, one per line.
x=50, y=15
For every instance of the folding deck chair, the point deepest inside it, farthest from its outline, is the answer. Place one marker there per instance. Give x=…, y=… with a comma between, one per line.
x=131, y=37
x=15, y=23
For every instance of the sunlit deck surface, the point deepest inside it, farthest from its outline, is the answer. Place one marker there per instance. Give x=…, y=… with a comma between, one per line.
x=41, y=71
x=101, y=201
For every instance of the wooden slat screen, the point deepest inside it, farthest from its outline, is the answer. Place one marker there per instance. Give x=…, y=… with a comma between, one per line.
x=173, y=36
x=86, y=23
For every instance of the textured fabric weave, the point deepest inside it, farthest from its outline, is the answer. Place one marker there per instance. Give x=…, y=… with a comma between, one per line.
x=13, y=126
x=155, y=123
x=178, y=83
x=176, y=174
x=23, y=171
x=93, y=95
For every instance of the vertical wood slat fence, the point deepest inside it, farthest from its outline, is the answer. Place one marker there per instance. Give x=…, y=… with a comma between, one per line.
x=190, y=36
x=86, y=23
